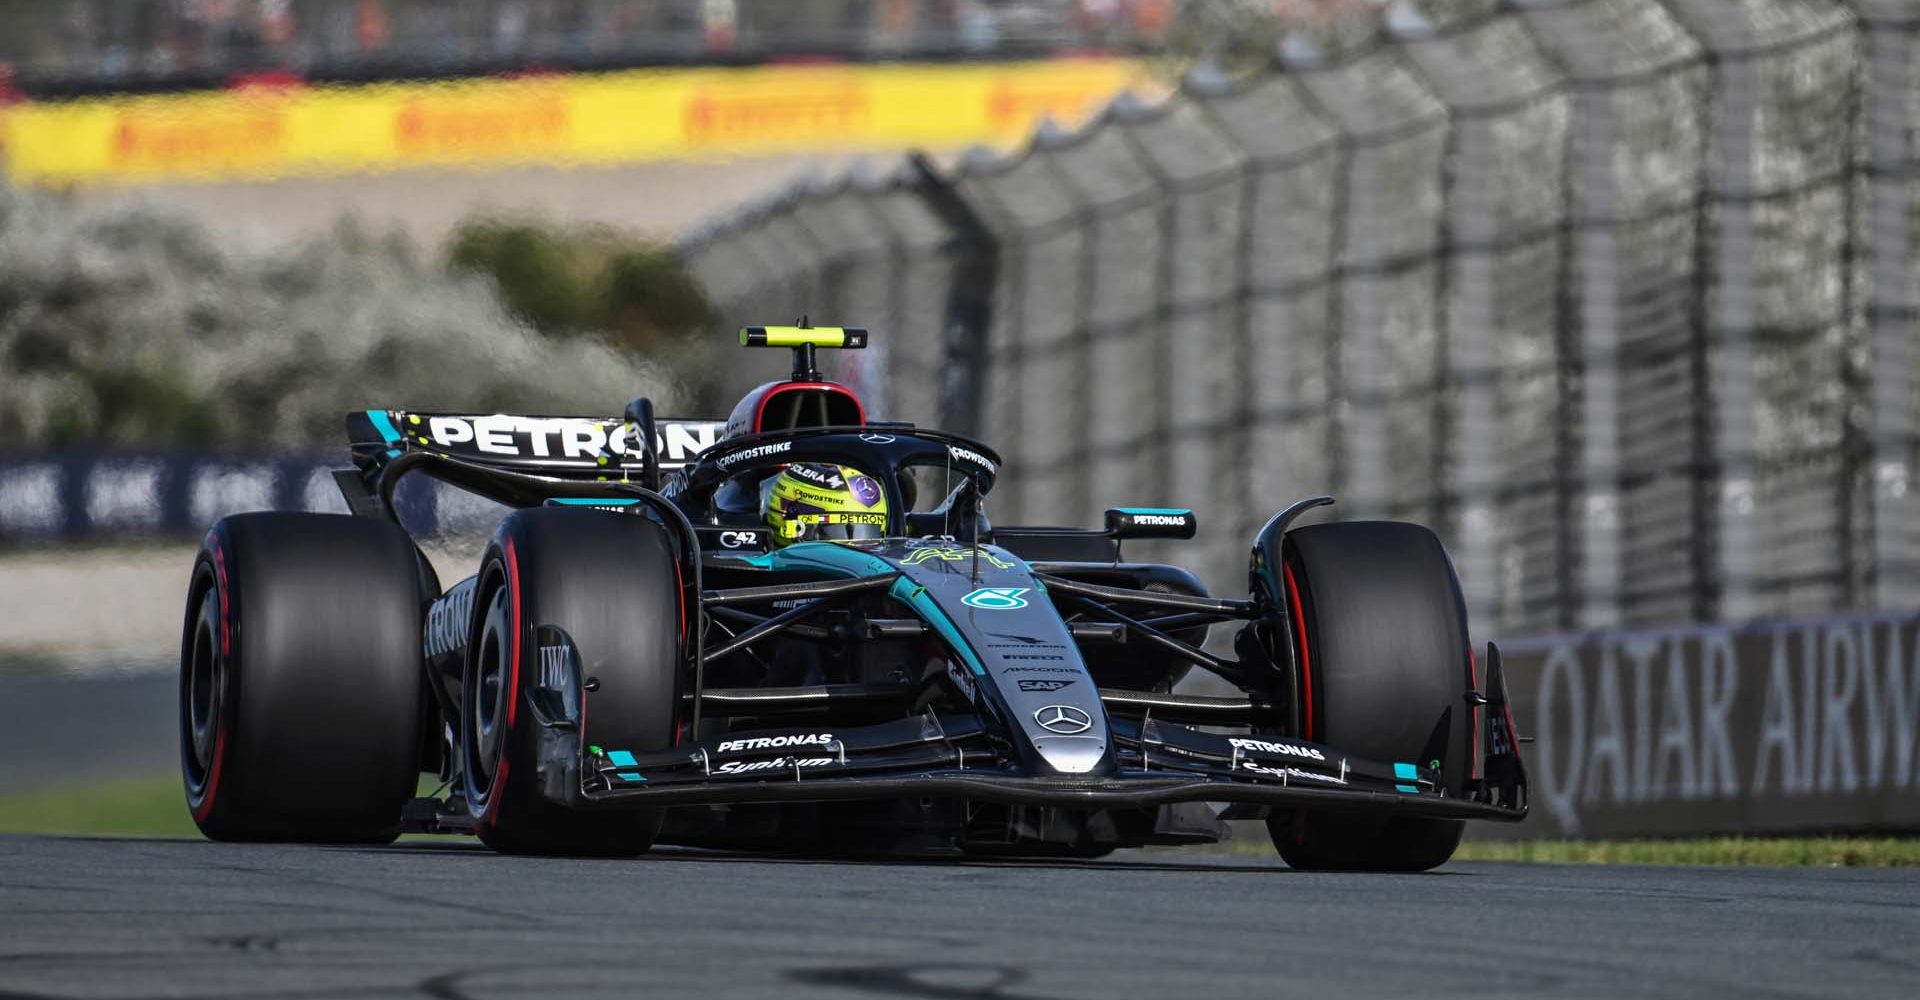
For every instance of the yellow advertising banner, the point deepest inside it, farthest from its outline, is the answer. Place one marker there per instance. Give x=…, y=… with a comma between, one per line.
x=585, y=119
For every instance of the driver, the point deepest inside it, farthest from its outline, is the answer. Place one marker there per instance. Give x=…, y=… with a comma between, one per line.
x=811, y=502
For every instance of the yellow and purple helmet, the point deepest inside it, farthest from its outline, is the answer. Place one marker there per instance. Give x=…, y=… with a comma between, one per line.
x=810, y=502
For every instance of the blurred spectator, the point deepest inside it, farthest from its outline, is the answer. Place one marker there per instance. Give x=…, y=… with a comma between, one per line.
x=893, y=30
x=79, y=39
x=278, y=23
x=8, y=98
x=510, y=28
x=370, y=25
x=978, y=26
x=79, y=45
x=1152, y=19
x=720, y=24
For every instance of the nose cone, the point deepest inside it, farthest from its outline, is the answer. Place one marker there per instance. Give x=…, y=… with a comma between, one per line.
x=1071, y=754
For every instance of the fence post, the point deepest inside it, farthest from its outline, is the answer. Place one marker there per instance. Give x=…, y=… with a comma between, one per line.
x=1388, y=230
x=1200, y=175
x=1892, y=311
x=1586, y=345
x=1501, y=244
x=1724, y=469
x=1284, y=250
x=969, y=311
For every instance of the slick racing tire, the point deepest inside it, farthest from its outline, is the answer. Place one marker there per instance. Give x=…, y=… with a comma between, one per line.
x=1381, y=631
x=612, y=584
x=301, y=679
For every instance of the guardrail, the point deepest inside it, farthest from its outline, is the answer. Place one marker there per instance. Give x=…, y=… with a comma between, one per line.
x=1789, y=726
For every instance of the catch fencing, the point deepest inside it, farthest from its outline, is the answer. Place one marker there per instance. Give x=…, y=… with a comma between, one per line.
x=1618, y=295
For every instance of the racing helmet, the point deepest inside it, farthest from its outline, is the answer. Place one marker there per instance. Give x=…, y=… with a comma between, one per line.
x=813, y=502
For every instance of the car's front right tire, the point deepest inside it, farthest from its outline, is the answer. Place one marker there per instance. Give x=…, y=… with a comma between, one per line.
x=1381, y=632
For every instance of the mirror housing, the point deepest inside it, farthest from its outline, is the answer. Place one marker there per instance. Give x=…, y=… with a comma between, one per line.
x=1151, y=522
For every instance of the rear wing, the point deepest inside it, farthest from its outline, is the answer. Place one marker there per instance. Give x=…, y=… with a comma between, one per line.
x=566, y=447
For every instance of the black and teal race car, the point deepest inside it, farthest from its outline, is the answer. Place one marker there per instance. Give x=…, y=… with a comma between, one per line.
x=634, y=661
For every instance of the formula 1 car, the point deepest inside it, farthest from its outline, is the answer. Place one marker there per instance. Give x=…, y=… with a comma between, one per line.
x=639, y=657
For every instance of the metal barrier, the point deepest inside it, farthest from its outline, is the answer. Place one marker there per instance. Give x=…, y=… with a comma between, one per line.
x=1619, y=295
x=1776, y=727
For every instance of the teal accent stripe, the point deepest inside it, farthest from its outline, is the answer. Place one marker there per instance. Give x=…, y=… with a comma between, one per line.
x=1167, y=511
x=831, y=557
x=624, y=758
x=384, y=424
x=1406, y=772
x=591, y=502
x=915, y=596
x=842, y=560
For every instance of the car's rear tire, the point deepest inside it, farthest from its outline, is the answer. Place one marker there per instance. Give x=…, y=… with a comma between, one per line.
x=1382, y=634
x=300, y=679
x=611, y=583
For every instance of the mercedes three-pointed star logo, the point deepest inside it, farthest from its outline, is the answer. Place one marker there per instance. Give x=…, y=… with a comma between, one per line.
x=1063, y=719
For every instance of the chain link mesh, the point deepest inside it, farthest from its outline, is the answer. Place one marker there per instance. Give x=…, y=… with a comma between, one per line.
x=1618, y=295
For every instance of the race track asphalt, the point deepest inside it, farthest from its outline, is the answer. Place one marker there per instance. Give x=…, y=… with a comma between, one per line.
x=130, y=918
x=66, y=730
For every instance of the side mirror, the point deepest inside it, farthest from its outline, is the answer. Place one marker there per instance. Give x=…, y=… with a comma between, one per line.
x=640, y=415
x=1151, y=522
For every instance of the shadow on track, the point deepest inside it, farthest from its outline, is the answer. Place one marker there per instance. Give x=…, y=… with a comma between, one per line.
x=469, y=848
x=938, y=982
x=689, y=855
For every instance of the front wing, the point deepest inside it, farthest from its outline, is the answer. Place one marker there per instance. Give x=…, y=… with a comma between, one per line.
x=950, y=755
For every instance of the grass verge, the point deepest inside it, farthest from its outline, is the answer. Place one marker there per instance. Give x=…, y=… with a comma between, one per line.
x=145, y=806
x=152, y=806
x=1776, y=852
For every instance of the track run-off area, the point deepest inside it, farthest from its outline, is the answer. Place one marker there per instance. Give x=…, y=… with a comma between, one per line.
x=128, y=918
